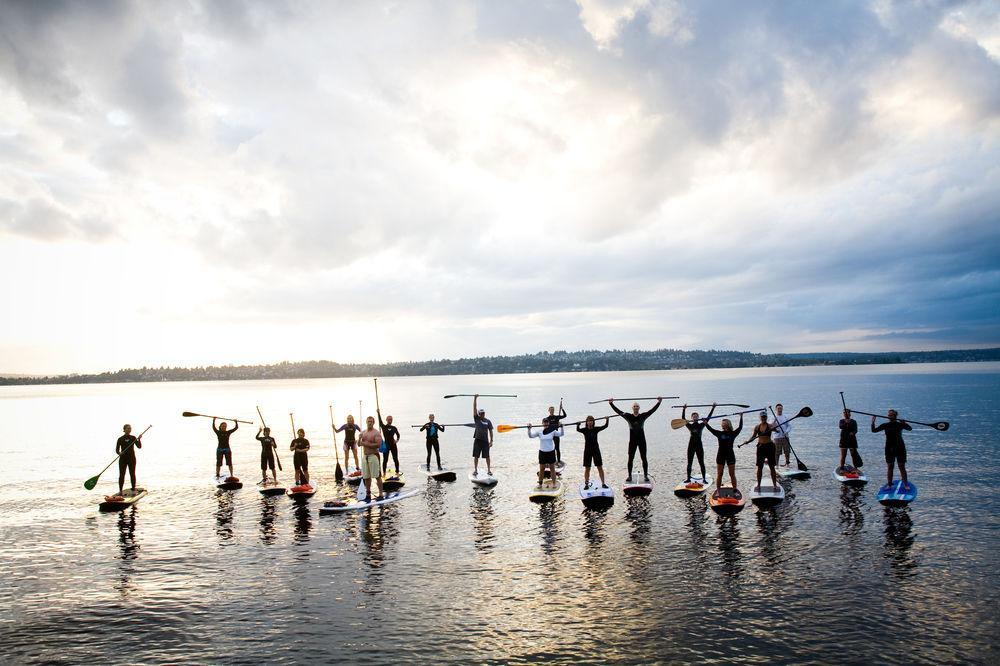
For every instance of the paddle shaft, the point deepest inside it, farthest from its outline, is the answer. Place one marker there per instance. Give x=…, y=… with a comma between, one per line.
x=755, y=434
x=221, y=418
x=481, y=395
x=95, y=478
x=448, y=425
x=275, y=447
x=508, y=428
x=940, y=425
x=719, y=404
x=655, y=397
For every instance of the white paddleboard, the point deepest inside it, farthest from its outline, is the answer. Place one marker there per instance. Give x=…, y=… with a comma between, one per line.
x=360, y=505
x=483, y=479
x=637, y=488
x=546, y=492
x=438, y=474
x=123, y=501
x=767, y=496
x=850, y=476
x=596, y=497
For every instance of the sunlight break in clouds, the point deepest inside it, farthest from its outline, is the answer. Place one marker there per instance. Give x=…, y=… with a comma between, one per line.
x=261, y=181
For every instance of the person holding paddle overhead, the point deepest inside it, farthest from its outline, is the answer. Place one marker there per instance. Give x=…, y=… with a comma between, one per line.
x=546, y=451
x=849, y=440
x=482, y=438
x=553, y=420
x=592, y=450
x=267, y=448
x=390, y=434
x=350, y=445
x=895, y=447
x=371, y=466
x=223, y=433
x=636, y=435
x=695, y=448
x=300, y=459
x=726, y=455
x=432, y=430
x=782, y=428
x=125, y=449
x=765, y=448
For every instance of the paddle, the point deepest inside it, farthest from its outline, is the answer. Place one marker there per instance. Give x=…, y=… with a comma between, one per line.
x=677, y=424
x=92, y=481
x=221, y=418
x=720, y=404
x=481, y=395
x=940, y=425
x=781, y=427
x=508, y=428
x=275, y=446
x=338, y=475
x=659, y=397
x=448, y=425
x=804, y=413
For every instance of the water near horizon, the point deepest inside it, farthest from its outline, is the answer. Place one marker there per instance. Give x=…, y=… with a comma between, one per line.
x=461, y=574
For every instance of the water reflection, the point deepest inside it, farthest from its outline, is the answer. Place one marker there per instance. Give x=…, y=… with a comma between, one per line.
x=303, y=524
x=434, y=498
x=697, y=507
x=267, y=531
x=731, y=559
x=593, y=529
x=899, y=540
x=852, y=518
x=379, y=530
x=549, y=514
x=639, y=514
x=129, y=551
x=224, y=516
x=481, y=508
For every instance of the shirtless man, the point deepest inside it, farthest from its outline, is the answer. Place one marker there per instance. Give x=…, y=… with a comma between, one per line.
x=371, y=465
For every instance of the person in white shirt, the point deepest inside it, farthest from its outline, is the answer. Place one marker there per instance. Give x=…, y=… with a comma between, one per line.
x=782, y=426
x=546, y=451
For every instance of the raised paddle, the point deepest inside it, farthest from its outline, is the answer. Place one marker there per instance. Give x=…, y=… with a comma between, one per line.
x=940, y=425
x=221, y=418
x=481, y=395
x=338, y=474
x=804, y=413
x=781, y=427
x=658, y=397
x=448, y=425
x=860, y=461
x=719, y=404
x=508, y=428
x=676, y=424
x=275, y=447
x=92, y=481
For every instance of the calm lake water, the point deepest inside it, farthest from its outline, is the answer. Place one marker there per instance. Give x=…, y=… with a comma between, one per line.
x=460, y=574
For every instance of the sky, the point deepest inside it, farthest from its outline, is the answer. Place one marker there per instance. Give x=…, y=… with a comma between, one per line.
x=192, y=183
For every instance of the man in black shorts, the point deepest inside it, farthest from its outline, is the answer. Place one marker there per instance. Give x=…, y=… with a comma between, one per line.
x=222, y=450
x=762, y=432
x=482, y=439
x=895, y=448
x=267, y=447
x=592, y=450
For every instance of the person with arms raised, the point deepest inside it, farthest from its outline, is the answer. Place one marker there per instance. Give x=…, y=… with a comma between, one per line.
x=636, y=435
x=695, y=448
x=726, y=456
x=222, y=450
x=592, y=449
x=895, y=447
x=553, y=420
x=482, y=438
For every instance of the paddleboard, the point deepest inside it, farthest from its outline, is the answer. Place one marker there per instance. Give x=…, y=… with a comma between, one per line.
x=483, y=479
x=123, y=501
x=637, y=488
x=792, y=473
x=596, y=497
x=727, y=501
x=354, y=478
x=546, y=492
x=695, y=486
x=768, y=496
x=338, y=506
x=851, y=476
x=894, y=495
x=393, y=482
x=305, y=491
x=227, y=482
x=271, y=488
x=439, y=474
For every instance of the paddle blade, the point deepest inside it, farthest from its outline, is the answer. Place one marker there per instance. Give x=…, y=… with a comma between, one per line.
x=805, y=412
x=339, y=474
x=941, y=425
x=677, y=424
x=90, y=483
x=505, y=428
x=189, y=414
x=802, y=465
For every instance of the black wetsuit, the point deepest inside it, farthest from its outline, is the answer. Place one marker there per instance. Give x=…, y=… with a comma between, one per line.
x=552, y=421
x=636, y=436
x=300, y=459
x=591, y=449
x=223, y=449
x=849, y=439
x=390, y=434
x=432, y=441
x=726, y=454
x=695, y=447
x=895, y=448
x=266, y=452
x=126, y=461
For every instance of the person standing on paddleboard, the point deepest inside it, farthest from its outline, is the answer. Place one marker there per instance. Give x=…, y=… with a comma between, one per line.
x=125, y=450
x=350, y=445
x=762, y=432
x=895, y=447
x=300, y=459
x=546, y=451
x=432, y=430
x=267, y=449
x=726, y=455
x=636, y=435
x=371, y=466
x=592, y=450
x=849, y=440
x=222, y=450
x=482, y=438
x=553, y=420
x=695, y=426
x=781, y=429
x=390, y=434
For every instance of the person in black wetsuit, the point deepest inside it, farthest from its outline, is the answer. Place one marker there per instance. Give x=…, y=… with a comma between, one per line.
x=636, y=435
x=591, y=449
x=726, y=455
x=390, y=434
x=895, y=447
x=300, y=459
x=223, y=433
x=350, y=445
x=125, y=448
x=432, y=430
x=695, y=448
x=554, y=421
x=849, y=440
x=267, y=448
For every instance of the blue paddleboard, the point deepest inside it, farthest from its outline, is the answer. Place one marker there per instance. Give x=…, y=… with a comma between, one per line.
x=894, y=495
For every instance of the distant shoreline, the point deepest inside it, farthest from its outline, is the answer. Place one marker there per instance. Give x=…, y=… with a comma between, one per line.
x=541, y=362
